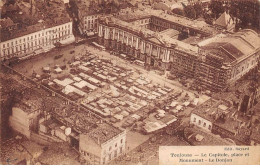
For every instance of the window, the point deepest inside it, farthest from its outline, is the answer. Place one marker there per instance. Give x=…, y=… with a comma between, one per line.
x=199, y=122
x=204, y=125
x=209, y=127
x=121, y=140
x=116, y=145
x=3, y=45
x=194, y=119
x=115, y=154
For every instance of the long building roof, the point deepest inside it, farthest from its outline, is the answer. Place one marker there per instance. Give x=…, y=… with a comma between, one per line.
x=133, y=14
x=232, y=47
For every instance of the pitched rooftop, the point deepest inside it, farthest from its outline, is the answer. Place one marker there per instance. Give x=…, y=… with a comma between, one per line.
x=103, y=133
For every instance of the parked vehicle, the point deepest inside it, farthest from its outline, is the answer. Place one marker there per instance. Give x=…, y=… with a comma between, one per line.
x=58, y=56
x=172, y=77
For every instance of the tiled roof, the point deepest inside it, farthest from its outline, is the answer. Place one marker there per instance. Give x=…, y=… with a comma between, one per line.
x=103, y=133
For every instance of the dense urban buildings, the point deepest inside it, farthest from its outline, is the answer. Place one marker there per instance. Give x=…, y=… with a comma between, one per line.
x=48, y=119
x=179, y=44
x=219, y=117
x=30, y=36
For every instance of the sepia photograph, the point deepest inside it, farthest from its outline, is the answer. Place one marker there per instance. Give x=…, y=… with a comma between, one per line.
x=130, y=82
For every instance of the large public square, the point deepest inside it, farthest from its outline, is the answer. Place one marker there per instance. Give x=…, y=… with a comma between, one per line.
x=122, y=92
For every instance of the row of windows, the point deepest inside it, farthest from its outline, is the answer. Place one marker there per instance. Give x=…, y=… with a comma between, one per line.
x=32, y=37
x=90, y=21
x=113, y=154
x=144, y=21
x=27, y=45
x=110, y=148
x=200, y=123
x=91, y=17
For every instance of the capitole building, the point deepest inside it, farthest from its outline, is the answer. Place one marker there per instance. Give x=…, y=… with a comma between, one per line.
x=213, y=56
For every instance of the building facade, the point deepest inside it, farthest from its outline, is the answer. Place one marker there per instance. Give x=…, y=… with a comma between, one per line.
x=201, y=122
x=36, y=42
x=25, y=118
x=96, y=150
x=88, y=24
x=146, y=46
x=213, y=67
x=227, y=58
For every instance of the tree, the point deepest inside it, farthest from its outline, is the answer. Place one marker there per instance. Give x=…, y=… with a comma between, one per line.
x=178, y=11
x=190, y=12
x=216, y=8
x=198, y=9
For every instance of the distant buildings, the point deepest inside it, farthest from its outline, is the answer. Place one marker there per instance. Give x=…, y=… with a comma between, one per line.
x=35, y=37
x=148, y=35
x=220, y=118
x=225, y=21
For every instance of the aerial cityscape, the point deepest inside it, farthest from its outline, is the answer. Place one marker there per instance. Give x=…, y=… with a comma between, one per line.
x=107, y=82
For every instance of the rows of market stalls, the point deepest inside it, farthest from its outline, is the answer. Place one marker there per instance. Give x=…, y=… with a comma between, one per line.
x=123, y=96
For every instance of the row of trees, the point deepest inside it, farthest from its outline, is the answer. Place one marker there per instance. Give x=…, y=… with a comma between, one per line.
x=191, y=11
x=246, y=13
